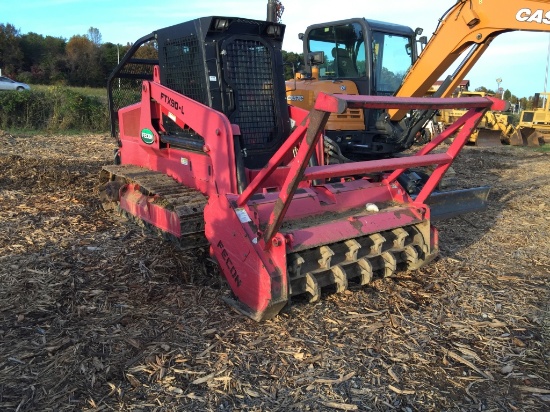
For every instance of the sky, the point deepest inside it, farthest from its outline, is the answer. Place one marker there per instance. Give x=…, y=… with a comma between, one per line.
x=519, y=59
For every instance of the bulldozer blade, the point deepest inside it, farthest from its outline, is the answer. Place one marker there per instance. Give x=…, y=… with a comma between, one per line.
x=535, y=139
x=489, y=138
x=444, y=205
x=516, y=138
x=525, y=136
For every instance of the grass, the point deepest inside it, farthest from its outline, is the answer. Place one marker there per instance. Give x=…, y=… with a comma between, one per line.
x=99, y=92
x=55, y=108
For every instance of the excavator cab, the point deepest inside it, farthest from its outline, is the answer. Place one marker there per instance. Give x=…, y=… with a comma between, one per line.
x=374, y=53
x=361, y=57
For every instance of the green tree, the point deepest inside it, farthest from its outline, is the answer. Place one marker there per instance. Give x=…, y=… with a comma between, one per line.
x=54, y=61
x=523, y=102
x=94, y=36
x=507, y=95
x=293, y=62
x=11, y=56
x=44, y=58
x=147, y=51
x=109, y=56
x=83, y=62
x=485, y=90
x=32, y=48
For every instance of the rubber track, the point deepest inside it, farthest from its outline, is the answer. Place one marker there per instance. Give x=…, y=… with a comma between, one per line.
x=186, y=202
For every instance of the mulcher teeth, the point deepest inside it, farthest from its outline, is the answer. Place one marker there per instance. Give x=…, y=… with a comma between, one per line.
x=360, y=260
x=389, y=264
x=410, y=256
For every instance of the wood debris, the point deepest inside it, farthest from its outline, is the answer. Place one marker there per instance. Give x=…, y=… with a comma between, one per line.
x=99, y=315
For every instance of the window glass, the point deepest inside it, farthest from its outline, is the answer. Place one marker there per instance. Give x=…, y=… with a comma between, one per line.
x=392, y=58
x=344, y=50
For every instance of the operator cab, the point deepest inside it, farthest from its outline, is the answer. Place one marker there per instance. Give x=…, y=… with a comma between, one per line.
x=375, y=55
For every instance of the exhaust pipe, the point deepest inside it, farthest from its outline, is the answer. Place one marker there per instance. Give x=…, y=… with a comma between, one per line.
x=272, y=11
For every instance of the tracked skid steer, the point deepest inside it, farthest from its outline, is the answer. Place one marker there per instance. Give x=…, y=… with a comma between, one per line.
x=210, y=153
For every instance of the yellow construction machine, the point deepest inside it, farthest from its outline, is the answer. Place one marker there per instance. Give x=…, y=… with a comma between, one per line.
x=367, y=57
x=533, y=128
x=494, y=128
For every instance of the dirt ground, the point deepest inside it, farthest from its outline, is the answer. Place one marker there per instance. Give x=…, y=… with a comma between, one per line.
x=97, y=315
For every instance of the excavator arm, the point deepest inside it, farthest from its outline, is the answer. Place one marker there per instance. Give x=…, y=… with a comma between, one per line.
x=468, y=26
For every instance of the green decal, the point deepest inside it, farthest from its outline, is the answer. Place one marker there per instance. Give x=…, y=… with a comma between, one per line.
x=147, y=136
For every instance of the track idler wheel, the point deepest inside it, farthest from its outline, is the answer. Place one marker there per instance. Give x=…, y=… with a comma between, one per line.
x=111, y=191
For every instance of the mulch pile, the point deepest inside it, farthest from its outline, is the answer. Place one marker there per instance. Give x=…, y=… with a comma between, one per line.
x=98, y=315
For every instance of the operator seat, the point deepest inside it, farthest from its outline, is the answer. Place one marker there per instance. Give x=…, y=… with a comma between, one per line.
x=344, y=63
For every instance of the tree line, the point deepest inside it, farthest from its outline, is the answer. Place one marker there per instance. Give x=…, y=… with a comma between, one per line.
x=85, y=61
x=523, y=103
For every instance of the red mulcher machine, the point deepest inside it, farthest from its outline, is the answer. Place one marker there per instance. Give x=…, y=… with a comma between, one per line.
x=208, y=147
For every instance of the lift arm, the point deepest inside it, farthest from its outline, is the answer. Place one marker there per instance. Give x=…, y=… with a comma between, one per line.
x=469, y=25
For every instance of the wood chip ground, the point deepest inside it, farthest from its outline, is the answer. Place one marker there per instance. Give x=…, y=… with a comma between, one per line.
x=97, y=315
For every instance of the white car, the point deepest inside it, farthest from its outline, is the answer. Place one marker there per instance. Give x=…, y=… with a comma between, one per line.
x=9, y=84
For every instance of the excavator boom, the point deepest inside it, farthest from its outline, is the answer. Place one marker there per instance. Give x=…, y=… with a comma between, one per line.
x=468, y=26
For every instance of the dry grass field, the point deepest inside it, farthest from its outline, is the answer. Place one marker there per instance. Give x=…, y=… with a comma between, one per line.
x=98, y=315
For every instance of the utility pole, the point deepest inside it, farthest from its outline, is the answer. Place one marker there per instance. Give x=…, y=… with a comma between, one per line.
x=546, y=76
x=118, y=60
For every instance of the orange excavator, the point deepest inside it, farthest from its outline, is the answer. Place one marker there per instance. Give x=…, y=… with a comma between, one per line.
x=366, y=57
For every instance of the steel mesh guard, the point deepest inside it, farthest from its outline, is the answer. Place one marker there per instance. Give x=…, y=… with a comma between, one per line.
x=126, y=87
x=184, y=68
x=248, y=68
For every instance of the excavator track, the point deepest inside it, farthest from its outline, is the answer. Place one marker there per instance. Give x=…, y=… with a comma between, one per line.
x=358, y=260
x=181, y=202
